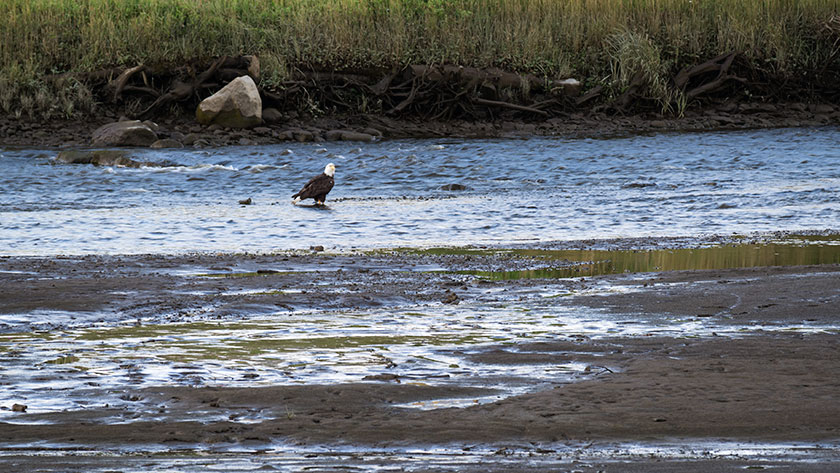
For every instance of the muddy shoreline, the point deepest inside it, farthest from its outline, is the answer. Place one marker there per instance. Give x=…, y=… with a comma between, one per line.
x=291, y=126
x=772, y=384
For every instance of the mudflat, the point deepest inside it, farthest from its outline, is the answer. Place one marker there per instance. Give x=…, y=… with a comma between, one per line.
x=768, y=373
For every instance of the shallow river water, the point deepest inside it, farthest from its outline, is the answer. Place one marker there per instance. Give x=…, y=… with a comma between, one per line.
x=393, y=193
x=396, y=194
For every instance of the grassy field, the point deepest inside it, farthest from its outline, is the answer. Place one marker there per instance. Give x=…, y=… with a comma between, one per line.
x=597, y=41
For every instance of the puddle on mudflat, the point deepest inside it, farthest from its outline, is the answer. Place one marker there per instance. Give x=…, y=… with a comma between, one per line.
x=67, y=370
x=813, y=250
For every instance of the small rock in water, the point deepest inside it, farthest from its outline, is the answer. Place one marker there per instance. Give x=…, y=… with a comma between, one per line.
x=450, y=298
x=167, y=143
x=317, y=248
x=124, y=133
x=247, y=201
x=18, y=408
x=382, y=377
x=453, y=187
x=639, y=185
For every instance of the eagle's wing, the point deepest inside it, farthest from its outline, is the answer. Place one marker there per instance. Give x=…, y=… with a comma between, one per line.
x=318, y=185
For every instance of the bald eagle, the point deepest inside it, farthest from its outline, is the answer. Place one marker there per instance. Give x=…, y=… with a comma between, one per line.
x=318, y=187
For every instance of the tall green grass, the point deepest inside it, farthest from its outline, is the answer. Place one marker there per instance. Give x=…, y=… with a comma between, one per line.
x=603, y=41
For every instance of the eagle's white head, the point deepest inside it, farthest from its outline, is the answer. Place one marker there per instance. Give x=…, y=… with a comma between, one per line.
x=330, y=170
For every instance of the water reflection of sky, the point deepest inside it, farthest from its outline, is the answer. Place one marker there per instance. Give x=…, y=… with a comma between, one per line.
x=390, y=193
x=56, y=370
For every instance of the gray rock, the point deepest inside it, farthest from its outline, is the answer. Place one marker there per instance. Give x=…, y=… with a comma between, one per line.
x=822, y=109
x=237, y=105
x=286, y=135
x=333, y=135
x=191, y=138
x=127, y=133
x=303, y=135
x=722, y=119
x=453, y=187
x=167, y=143
x=102, y=157
x=373, y=132
x=450, y=298
x=272, y=115
x=356, y=136
x=346, y=135
x=152, y=125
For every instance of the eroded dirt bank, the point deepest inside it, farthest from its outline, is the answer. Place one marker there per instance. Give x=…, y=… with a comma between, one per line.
x=184, y=130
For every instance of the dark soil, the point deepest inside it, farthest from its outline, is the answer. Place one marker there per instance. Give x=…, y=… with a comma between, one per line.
x=293, y=127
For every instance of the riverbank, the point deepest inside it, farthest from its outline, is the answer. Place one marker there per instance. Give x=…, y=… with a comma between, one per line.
x=753, y=360
x=184, y=131
x=465, y=59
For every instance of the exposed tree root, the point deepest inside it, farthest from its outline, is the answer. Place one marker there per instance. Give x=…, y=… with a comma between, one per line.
x=423, y=91
x=710, y=76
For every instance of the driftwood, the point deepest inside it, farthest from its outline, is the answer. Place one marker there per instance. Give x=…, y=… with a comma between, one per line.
x=119, y=84
x=183, y=90
x=179, y=84
x=719, y=66
x=591, y=95
x=429, y=91
x=522, y=108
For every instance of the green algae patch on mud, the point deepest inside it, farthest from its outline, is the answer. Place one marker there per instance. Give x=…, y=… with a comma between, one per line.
x=63, y=360
x=241, y=341
x=25, y=337
x=248, y=349
x=160, y=331
x=580, y=263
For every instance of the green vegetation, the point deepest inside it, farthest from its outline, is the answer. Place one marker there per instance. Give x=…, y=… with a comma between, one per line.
x=578, y=263
x=64, y=360
x=48, y=48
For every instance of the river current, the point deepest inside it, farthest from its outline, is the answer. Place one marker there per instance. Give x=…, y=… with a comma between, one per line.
x=409, y=193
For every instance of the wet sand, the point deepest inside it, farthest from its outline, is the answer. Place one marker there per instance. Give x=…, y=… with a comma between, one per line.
x=770, y=385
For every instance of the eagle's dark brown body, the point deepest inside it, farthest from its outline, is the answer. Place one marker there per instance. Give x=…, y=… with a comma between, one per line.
x=318, y=187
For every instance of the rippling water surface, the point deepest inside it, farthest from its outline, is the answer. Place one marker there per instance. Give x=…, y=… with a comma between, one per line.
x=393, y=193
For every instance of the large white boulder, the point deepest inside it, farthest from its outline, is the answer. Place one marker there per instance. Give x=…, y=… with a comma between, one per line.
x=237, y=105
